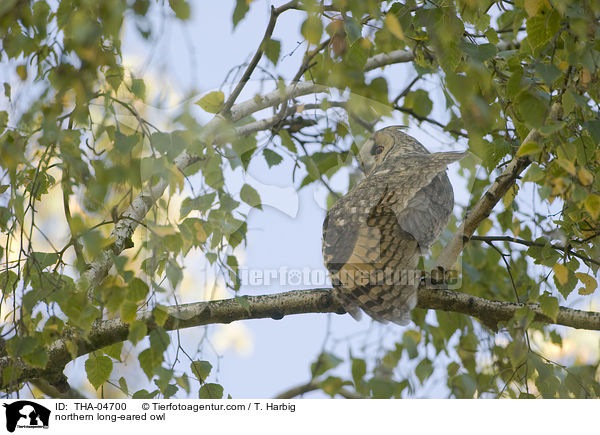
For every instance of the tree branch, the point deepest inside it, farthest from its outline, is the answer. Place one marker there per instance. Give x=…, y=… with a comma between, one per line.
x=275, y=306
x=484, y=206
x=275, y=12
x=312, y=386
x=137, y=210
x=567, y=249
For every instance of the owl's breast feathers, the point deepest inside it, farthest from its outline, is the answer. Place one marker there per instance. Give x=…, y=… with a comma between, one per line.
x=374, y=235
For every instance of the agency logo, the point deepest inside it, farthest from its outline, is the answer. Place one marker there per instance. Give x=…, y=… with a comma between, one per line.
x=26, y=414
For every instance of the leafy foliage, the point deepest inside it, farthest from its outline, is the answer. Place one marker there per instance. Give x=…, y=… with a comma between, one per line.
x=500, y=66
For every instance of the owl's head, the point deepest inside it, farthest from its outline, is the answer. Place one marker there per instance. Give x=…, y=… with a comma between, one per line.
x=389, y=142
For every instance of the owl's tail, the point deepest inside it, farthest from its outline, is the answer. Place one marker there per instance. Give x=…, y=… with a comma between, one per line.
x=347, y=303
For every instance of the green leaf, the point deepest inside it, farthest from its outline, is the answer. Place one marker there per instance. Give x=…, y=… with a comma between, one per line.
x=98, y=370
x=114, y=350
x=123, y=385
x=326, y=361
x=8, y=280
x=311, y=29
x=419, y=102
x=548, y=72
x=593, y=128
x=286, y=141
x=37, y=358
x=592, y=205
x=272, y=158
x=359, y=370
x=159, y=340
x=241, y=8
x=3, y=120
x=18, y=346
x=536, y=31
x=332, y=385
x=124, y=144
x=144, y=394
x=250, y=196
x=149, y=362
x=183, y=382
x=381, y=388
x=44, y=259
x=169, y=144
x=272, y=50
x=567, y=165
x=243, y=301
x=140, y=7
x=424, y=370
x=138, y=88
x=210, y=391
x=542, y=28
x=479, y=52
x=532, y=109
x=137, y=290
x=174, y=273
x=181, y=9
x=201, y=369
x=201, y=203
x=410, y=339
x=128, y=311
x=114, y=77
x=212, y=102
x=137, y=331
x=549, y=306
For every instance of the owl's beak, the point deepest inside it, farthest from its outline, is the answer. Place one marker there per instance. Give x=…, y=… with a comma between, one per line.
x=361, y=164
x=366, y=145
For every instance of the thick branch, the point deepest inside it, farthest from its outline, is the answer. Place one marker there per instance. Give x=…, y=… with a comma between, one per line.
x=484, y=206
x=276, y=306
x=492, y=312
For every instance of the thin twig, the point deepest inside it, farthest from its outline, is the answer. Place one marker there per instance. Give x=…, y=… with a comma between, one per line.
x=275, y=12
x=567, y=249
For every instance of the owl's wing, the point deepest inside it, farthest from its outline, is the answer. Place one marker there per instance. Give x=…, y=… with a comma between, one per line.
x=363, y=235
x=414, y=173
x=427, y=213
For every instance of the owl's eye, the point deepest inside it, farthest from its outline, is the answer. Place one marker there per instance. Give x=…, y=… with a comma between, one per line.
x=377, y=150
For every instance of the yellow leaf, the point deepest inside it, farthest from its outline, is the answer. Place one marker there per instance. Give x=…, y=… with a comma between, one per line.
x=585, y=177
x=393, y=25
x=509, y=196
x=163, y=230
x=532, y=7
x=561, y=273
x=484, y=227
x=592, y=205
x=528, y=148
x=212, y=102
x=589, y=282
x=200, y=232
x=567, y=165
x=516, y=227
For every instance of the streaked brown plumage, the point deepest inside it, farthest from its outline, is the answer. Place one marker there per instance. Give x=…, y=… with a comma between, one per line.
x=374, y=235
